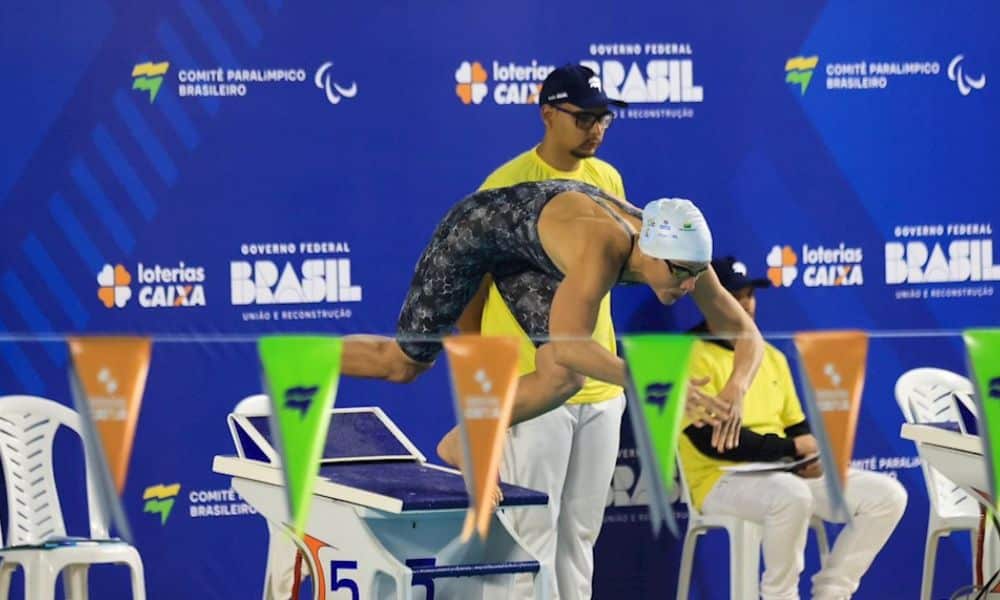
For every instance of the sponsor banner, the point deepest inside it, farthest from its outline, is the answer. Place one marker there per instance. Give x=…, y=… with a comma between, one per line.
x=657, y=79
x=217, y=503
x=180, y=285
x=159, y=500
x=941, y=261
x=511, y=83
x=874, y=74
x=812, y=266
x=889, y=465
x=150, y=78
x=287, y=281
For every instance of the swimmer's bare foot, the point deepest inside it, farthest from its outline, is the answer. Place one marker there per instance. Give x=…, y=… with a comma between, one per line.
x=449, y=449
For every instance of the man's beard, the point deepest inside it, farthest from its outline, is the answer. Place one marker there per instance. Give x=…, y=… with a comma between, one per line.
x=580, y=152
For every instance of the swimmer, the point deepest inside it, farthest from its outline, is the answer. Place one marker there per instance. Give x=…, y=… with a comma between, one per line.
x=555, y=248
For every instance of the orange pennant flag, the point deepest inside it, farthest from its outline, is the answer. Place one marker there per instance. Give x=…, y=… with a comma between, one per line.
x=833, y=363
x=484, y=381
x=112, y=372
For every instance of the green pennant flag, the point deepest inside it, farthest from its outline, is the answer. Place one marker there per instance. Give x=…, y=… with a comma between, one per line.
x=983, y=347
x=658, y=372
x=301, y=375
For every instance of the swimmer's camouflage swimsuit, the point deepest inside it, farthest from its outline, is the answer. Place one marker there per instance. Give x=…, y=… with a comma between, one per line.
x=496, y=232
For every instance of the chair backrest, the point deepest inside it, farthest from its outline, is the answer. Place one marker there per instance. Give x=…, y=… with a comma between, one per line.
x=258, y=404
x=930, y=395
x=28, y=425
x=964, y=393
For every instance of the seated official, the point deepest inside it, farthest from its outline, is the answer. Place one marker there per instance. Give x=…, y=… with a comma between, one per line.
x=774, y=428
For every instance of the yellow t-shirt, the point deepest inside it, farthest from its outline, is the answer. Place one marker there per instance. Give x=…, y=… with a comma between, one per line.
x=770, y=405
x=497, y=318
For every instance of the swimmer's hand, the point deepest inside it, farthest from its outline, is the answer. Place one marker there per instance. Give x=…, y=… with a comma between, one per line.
x=702, y=408
x=727, y=436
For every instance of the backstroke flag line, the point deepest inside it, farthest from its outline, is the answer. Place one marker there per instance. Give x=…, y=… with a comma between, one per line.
x=983, y=346
x=658, y=379
x=484, y=381
x=107, y=381
x=832, y=364
x=301, y=374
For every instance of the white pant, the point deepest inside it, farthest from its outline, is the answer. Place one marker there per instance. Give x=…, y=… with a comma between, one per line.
x=784, y=503
x=570, y=454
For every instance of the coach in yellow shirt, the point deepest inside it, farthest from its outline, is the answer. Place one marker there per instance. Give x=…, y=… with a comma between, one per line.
x=570, y=452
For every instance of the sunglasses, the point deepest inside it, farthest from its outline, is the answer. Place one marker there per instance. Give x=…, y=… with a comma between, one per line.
x=585, y=120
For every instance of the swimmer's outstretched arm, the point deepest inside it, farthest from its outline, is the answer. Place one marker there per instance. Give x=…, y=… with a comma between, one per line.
x=572, y=353
x=726, y=316
x=574, y=315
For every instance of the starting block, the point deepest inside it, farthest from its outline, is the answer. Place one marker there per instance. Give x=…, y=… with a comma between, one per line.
x=384, y=523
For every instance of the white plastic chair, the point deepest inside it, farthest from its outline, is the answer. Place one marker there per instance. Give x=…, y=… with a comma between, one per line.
x=278, y=575
x=28, y=425
x=928, y=395
x=744, y=547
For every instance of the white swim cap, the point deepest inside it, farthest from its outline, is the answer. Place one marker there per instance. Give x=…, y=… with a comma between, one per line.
x=674, y=228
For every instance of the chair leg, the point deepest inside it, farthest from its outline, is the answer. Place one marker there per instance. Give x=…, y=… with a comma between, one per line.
x=822, y=541
x=744, y=561
x=7, y=569
x=75, y=582
x=930, y=558
x=39, y=581
x=138, y=575
x=687, y=564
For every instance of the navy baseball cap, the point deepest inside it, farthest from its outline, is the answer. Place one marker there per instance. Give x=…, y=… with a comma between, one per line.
x=577, y=85
x=733, y=275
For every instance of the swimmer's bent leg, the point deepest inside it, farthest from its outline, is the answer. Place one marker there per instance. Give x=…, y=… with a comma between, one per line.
x=538, y=392
x=445, y=279
x=528, y=295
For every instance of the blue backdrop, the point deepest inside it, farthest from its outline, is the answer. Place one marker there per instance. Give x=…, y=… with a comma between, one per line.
x=846, y=148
